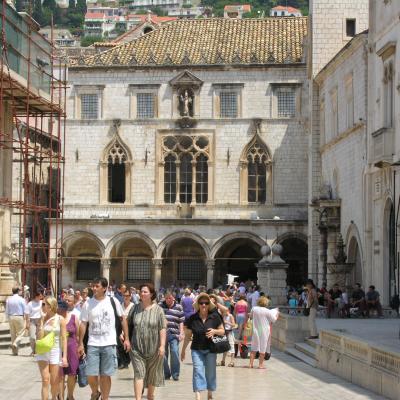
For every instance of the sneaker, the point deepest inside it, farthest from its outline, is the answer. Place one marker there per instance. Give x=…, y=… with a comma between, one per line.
x=175, y=378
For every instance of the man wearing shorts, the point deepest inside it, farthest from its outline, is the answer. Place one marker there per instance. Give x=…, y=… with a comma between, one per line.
x=99, y=313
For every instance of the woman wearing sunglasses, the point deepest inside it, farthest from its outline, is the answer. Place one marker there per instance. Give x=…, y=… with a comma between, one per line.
x=201, y=327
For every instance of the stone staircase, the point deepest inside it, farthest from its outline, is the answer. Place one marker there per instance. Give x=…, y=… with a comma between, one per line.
x=305, y=351
x=5, y=338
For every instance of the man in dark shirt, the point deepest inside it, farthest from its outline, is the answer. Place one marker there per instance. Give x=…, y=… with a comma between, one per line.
x=175, y=318
x=119, y=293
x=332, y=299
x=372, y=301
x=358, y=299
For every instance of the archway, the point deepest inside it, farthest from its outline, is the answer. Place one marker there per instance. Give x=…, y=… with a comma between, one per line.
x=295, y=253
x=131, y=255
x=389, y=252
x=354, y=257
x=83, y=252
x=238, y=257
x=184, y=262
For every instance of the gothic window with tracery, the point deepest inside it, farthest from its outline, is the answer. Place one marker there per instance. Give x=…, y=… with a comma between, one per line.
x=256, y=173
x=185, y=161
x=116, y=173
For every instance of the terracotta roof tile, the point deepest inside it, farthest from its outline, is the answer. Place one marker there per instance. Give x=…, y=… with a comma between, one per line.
x=211, y=41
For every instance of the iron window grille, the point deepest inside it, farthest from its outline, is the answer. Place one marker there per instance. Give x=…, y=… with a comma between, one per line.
x=89, y=106
x=286, y=102
x=191, y=270
x=87, y=270
x=228, y=104
x=138, y=270
x=145, y=105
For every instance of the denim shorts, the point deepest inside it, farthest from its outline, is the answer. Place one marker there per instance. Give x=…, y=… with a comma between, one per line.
x=101, y=360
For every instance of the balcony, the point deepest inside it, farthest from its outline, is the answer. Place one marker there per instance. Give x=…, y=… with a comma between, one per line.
x=28, y=55
x=382, y=147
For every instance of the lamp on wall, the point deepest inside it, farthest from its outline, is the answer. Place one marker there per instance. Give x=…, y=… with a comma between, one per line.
x=146, y=152
x=228, y=157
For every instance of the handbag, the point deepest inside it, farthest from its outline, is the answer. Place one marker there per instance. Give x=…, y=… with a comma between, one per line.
x=45, y=344
x=219, y=344
x=243, y=350
x=82, y=377
x=306, y=311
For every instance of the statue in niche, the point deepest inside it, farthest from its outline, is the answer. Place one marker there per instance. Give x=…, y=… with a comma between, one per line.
x=186, y=104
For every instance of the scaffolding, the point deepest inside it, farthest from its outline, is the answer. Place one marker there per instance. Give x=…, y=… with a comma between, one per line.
x=32, y=134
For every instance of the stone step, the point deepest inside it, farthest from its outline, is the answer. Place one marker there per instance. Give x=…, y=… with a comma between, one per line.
x=313, y=342
x=301, y=356
x=308, y=350
x=4, y=337
x=7, y=345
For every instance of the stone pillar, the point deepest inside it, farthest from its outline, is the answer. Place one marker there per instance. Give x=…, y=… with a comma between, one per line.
x=157, y=268
x=210, y=273
x=105, y=268
x=271, y=274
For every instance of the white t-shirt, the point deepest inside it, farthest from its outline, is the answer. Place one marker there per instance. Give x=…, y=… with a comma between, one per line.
x=254, y=298
x=34, y=309
x=100, y=315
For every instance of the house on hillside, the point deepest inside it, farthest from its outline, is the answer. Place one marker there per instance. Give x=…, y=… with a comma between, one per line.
x=236, y=11
x=283, y=11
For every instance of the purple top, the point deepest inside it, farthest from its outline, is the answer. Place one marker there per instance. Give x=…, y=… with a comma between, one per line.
x=187, y=305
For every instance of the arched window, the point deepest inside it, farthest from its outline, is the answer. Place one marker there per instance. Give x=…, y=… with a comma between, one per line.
x=255, y=174
x=115, y=173
x=186, y=169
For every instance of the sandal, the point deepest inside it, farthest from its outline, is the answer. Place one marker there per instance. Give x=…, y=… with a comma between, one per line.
x=95, y=396
x=231, y=364
x=221, y=364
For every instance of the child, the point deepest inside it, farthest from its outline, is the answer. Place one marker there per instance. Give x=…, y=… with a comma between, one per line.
x=229, y=323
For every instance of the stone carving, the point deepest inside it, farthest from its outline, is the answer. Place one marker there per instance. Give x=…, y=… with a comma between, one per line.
x=186, y=104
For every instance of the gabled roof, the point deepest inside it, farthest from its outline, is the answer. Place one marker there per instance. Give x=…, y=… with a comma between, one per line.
x=288, y=9
x=215, y=41
x=235, y=7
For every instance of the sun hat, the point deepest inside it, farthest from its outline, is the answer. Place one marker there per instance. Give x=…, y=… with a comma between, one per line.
x=203, y=295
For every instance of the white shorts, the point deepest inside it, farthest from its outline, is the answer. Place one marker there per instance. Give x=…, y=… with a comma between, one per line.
x=52, y=357
x=231, y=340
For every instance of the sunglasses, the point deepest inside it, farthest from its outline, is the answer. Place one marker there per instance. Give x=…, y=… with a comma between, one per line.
x=204, y=303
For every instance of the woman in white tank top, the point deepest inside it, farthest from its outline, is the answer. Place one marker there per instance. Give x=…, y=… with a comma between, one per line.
x=50, y=362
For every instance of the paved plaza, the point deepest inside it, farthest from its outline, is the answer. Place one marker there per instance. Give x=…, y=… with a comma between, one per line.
x=284, y=378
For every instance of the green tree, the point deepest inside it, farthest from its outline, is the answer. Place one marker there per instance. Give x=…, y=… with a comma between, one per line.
x=89, y=40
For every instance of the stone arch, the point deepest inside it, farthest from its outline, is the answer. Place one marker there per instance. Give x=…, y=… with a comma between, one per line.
x=291, y=235
x=122, y=236
x=256, y=151
x=83, y=253
x=236, y=254
x=116, y=152
x=295, y=253
x=232, y=236
x=76, y=235
x=355, y=254
x=183, y=235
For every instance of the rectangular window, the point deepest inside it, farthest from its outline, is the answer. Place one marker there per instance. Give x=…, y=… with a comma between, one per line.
x=89, y=106
x=334, y=113
x=228, y=104
x=388, y=94
x=286, y=99
x=350, y=27
x=349, y=103
x=322, y=121
x=145, y=105
x=138, y=270
x=87, y=270
x=191, y=270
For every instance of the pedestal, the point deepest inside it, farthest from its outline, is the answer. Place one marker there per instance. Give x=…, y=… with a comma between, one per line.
x=271, y=277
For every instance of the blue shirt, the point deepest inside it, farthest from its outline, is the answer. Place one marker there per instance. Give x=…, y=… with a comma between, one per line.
x=15, y=305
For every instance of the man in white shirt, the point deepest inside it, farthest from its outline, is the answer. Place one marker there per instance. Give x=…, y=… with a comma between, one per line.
x=15, y=311
x=33, y=316
x=255, y=296
x=101, y=349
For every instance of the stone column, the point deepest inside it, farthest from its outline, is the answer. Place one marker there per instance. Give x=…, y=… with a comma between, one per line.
x=105, y=268
x=157, y=268
x=210, y=273
x=271, y=274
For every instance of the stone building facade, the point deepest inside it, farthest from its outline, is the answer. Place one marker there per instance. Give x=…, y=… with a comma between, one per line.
x=187, y=147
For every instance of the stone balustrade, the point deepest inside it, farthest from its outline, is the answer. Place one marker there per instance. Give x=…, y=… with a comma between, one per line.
x=361, y=363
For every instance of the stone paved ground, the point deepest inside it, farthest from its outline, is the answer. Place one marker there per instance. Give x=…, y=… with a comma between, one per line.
x=285, y=378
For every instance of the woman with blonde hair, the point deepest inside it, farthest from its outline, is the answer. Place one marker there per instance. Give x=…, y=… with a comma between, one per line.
x=50, y=362
x=262, y=318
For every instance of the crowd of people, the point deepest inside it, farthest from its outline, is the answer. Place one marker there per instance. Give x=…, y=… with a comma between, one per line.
x=337, y=301
x=112, y=327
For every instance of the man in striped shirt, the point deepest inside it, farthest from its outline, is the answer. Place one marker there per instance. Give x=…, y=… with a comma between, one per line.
x=175, y=318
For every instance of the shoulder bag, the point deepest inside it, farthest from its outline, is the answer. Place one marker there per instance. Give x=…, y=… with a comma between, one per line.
x=219, y=344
